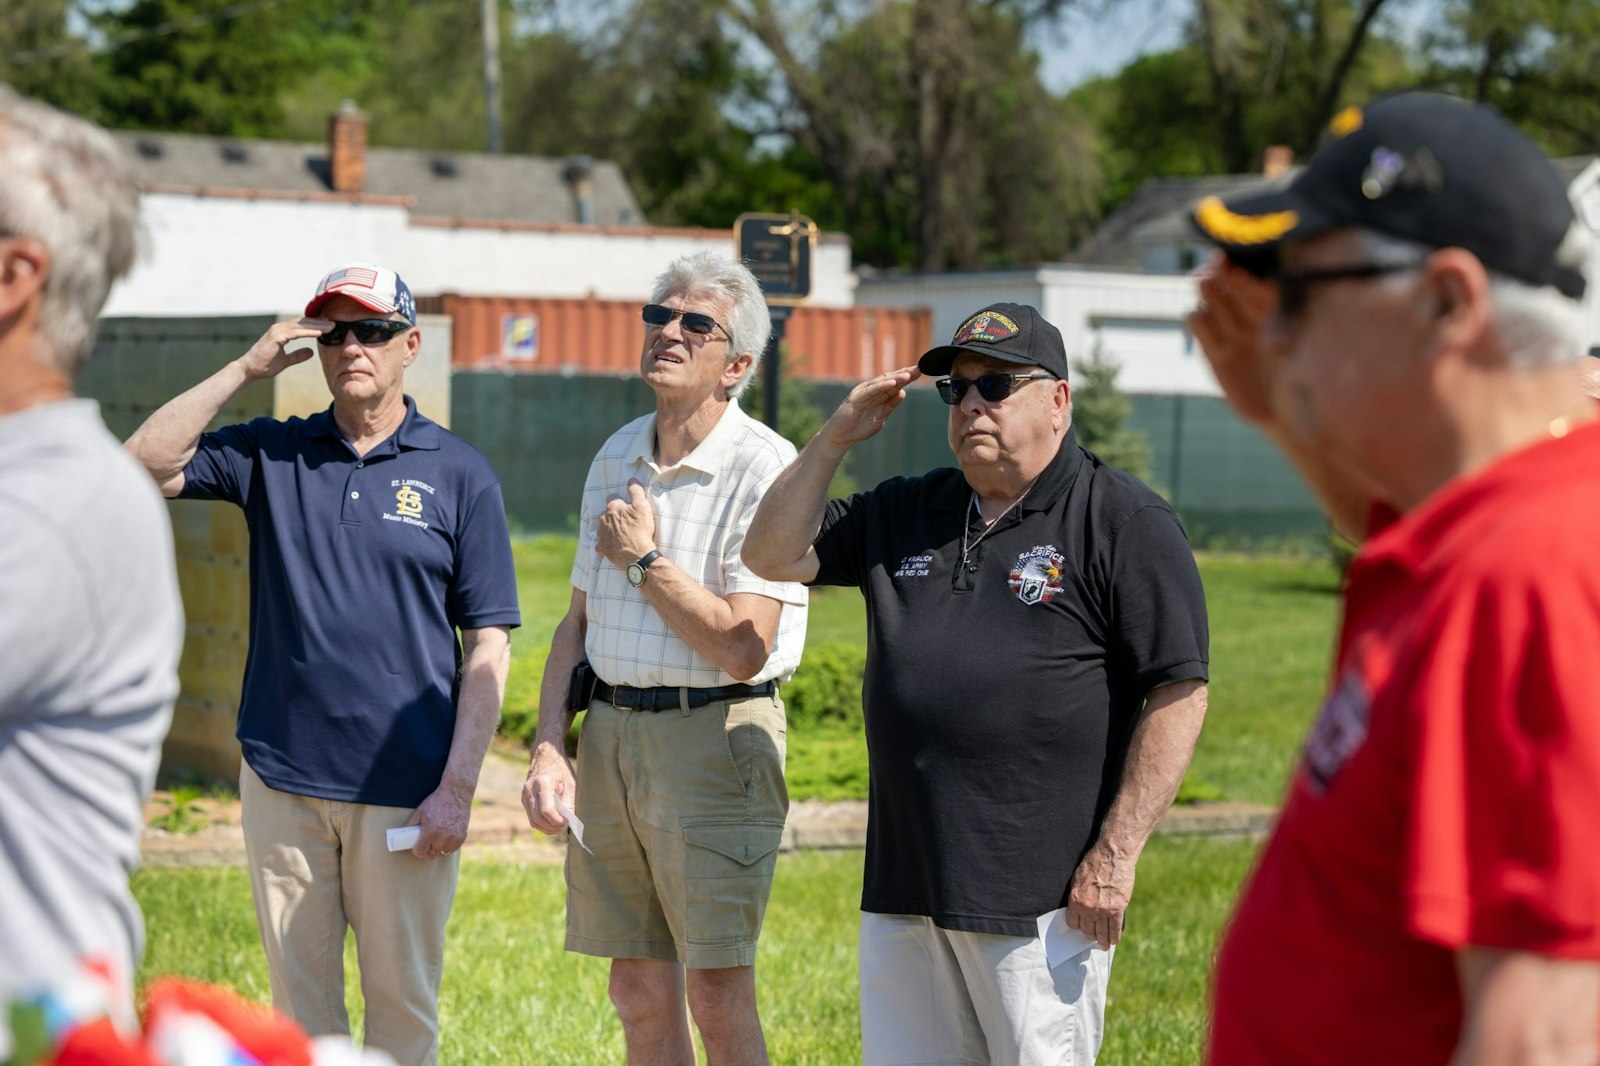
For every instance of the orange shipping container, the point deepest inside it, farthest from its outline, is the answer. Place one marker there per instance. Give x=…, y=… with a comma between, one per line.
x=590, y=336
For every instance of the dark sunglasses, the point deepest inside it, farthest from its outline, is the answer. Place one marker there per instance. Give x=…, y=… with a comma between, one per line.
x=693, y=321
x=1294, y=286
x=992, y=387
x=369, y=331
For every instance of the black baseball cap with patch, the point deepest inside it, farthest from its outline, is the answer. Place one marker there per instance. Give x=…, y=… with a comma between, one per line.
x=1015, y=333
x=1418, y=166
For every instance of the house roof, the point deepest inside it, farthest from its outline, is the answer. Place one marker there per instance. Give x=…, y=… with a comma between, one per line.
x=1159, y=212
x=451, y=185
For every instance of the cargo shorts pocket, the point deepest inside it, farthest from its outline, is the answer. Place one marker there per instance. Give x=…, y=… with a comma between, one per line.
x=728, y=877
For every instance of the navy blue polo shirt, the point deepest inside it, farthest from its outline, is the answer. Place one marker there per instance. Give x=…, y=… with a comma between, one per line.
x=362, y=568
x=1002, y=688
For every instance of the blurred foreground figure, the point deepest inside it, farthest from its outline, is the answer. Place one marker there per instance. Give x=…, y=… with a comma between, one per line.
x=1403, y=321
x=90, y=621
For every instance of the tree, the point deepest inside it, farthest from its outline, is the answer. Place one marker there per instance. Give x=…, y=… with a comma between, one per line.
x=930, y=121
x=1100, y=414
x=1536, y=61
x=41, y=57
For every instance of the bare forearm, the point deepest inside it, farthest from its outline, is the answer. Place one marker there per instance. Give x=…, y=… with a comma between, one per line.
x=1158, y=755
x=1523, y=1009
x=483, y=688
x=166, y=442
x=555, y=717
x=706, y=622
x=778, y=544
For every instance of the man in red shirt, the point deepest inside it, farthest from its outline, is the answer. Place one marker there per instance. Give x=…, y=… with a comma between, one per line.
x=1403, y=321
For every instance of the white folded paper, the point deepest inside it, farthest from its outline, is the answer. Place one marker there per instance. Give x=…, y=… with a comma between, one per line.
x=1061, y=941
x=404, y=837
x=574, y=823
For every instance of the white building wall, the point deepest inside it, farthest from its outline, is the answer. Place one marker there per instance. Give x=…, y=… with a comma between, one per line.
x=226, y=255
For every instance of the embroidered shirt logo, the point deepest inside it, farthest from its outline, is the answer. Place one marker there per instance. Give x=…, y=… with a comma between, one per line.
x=914, y=566
x=1036, y=577
x=986, y=327
x=1339, y=732
x=408, y=501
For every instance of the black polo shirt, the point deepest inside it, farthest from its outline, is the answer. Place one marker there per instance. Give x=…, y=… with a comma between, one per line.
x=362, y=568
x=1000, y=693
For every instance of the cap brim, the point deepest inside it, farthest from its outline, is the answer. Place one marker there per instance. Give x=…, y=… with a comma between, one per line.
x=319, y=302
x=939, y=360
x=1251, y=228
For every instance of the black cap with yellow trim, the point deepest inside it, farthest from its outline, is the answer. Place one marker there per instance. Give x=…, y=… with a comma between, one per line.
x=1422, y=167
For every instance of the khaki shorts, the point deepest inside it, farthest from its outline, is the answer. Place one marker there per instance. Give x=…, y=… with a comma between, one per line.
x=684, y=811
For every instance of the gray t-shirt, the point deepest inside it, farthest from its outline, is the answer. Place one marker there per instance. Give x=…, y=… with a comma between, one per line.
x=90, y=632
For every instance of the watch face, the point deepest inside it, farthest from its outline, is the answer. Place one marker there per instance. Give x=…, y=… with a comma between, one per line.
x=635, y=575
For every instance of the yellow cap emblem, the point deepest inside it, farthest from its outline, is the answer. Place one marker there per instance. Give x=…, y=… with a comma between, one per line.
x=1230, y=228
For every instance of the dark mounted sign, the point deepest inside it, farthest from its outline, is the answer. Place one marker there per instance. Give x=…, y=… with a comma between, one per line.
x=777, y=249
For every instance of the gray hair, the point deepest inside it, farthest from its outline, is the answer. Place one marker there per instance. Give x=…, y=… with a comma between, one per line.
x=707, y=274
x=1537, y=325
x=65, y=184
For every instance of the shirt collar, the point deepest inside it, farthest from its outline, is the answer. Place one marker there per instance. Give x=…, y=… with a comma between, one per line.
x=417, y=430
x=709, y=455
x=1054, y=480
x=1414, y=539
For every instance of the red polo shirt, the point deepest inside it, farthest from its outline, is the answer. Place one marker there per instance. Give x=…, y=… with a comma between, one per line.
x=1449, y=792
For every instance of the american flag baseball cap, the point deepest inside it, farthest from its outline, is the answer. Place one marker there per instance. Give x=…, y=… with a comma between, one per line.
x=370, y=286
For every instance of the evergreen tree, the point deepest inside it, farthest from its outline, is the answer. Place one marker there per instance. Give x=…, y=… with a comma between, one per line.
x=1100, y=413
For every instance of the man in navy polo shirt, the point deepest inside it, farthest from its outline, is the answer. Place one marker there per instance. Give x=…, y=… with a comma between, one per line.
x=1035, y=683
x=375, y=535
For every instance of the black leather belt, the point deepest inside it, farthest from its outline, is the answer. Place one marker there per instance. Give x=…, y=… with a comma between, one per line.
x=670, y=699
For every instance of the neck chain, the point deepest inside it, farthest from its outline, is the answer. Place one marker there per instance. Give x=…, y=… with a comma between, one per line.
x=966, y=530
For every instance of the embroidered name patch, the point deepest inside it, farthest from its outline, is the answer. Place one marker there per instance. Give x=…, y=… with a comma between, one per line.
x=1037, y=575
x=914, y=566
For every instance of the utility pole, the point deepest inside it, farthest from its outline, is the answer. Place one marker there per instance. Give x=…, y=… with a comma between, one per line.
x=491, y=73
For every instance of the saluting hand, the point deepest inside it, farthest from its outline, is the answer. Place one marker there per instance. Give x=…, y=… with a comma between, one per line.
x=868, y=407
x=268, y=357
x=1234, y=305
x=627, y=528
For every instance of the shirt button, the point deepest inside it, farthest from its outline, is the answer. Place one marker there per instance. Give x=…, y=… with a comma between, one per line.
x=972, y=568
x=355, y=495
x=360, y=465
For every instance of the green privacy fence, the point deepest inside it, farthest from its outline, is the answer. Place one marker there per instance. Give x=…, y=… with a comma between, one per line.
x=540, y=431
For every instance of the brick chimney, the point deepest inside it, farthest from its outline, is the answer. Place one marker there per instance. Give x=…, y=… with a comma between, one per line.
x=1276, y=160
x=578, y=173
x=347, y=149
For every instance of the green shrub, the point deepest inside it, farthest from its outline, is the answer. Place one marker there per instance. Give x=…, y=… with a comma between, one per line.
x=827, y=686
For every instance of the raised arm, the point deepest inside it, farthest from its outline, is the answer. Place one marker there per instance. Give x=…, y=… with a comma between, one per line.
x=1158, y=754
x=167, y=440
x=778, y=544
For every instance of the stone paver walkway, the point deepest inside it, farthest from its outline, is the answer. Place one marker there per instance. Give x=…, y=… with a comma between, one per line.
x=500, y=829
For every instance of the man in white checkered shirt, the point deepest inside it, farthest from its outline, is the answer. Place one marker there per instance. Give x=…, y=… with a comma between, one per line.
x=681, y=753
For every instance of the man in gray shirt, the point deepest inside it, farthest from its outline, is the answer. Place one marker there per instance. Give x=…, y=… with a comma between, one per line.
x=90, y=620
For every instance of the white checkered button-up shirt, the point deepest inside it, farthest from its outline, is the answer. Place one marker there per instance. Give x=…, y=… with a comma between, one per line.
x=704, y=505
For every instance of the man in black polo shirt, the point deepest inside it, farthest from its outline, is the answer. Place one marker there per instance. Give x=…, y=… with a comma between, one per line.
x=375, y=535
x=1036, y=667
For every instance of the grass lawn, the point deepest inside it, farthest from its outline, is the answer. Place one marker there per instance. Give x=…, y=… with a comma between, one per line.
x=1272, y=625
x=512, y=995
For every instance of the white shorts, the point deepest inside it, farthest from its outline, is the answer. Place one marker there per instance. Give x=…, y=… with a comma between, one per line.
x=931, y=995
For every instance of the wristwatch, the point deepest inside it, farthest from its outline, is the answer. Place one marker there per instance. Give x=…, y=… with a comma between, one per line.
x=637, y=572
